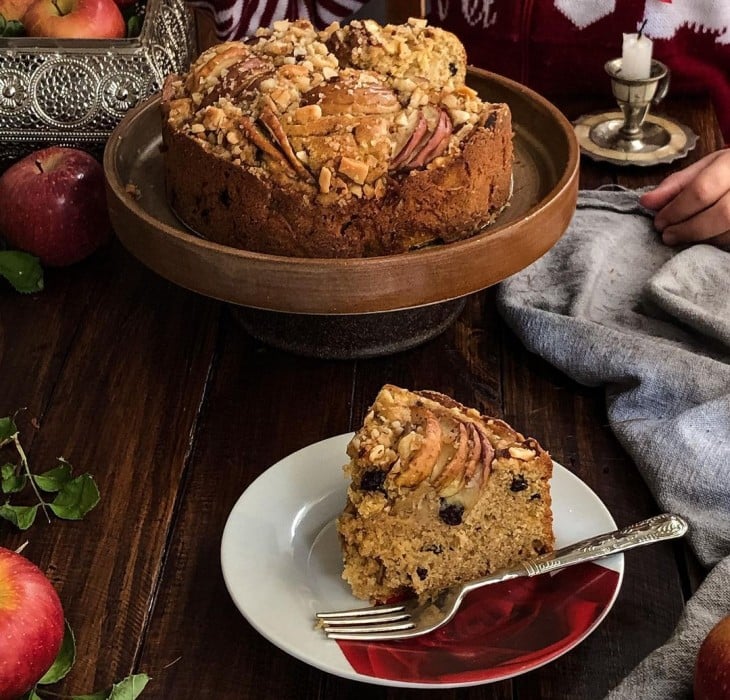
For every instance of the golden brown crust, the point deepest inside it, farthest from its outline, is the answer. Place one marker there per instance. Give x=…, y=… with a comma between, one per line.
x=239, y=209
x=282, y=146
x=398, y=50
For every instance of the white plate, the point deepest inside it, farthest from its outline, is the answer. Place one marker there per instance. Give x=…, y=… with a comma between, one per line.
x=281, y=563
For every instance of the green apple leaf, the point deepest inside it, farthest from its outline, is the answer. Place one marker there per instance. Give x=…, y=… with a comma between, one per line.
x=128, y=689
x=54, y=479
x=64, y=659
x=20, y=516
x=8, y=429
x=76, y=498
x=11, y=27
x=14, y=27
x=10, y=480
x=134, y=26
x=31, y=695
x=22, y=270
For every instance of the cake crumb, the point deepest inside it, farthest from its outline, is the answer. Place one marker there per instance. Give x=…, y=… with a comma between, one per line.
x=133, y=190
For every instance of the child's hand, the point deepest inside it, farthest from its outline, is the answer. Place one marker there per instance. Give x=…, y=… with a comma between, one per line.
x=693, y=205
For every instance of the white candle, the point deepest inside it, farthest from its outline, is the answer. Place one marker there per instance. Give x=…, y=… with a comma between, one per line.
x=636, y=57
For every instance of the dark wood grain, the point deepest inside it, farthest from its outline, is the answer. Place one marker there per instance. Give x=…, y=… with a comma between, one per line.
x=163, y=396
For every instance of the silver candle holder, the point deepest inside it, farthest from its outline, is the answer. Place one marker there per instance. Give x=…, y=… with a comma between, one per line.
x=635, y=96
x=633, y=135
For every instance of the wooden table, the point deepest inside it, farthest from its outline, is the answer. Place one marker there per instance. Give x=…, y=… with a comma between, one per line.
x=164, y=398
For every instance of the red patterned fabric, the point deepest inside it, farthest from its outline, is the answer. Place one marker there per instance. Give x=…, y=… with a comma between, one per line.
x=549, y=46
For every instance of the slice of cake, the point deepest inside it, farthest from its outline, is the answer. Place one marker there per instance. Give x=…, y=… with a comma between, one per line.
x=439, y=495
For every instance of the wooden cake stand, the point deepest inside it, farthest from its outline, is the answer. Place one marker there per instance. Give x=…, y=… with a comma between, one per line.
x=354, y=307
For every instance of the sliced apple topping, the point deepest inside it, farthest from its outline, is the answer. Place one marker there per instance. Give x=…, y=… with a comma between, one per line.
x=418, y=452
x=476, y=472
x=354, y=92
x=436, y=144
x=425, y=143
x=211, y=64
x=413, y=144
x=270, y=120
x=450, y=451
x=239, y=81
x=448, y=474
x=255, y=135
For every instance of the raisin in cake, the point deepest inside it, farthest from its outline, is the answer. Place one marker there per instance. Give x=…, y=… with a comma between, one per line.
x=352, y=141
x=439, y=494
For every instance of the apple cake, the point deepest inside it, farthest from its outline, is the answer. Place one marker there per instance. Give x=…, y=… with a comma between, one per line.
x=352, y=141
x=439, y=494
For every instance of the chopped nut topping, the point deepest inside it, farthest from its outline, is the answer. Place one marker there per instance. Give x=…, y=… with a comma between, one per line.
x=522, y=453
x=355, y=170
x=302, y=115
x=336, y=110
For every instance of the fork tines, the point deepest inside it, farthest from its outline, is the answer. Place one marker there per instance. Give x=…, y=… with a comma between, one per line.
x=360, y=622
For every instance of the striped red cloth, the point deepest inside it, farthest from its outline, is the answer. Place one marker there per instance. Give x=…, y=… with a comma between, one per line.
x=235, y=19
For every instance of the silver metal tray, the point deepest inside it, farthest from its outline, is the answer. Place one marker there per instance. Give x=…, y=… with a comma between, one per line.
x=74, y=92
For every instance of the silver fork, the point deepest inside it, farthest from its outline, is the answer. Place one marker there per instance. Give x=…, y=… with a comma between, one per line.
x=411, y=619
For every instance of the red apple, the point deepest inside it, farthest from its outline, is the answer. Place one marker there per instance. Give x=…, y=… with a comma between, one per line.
x=74, y=19
x=31, y=624
x=14, y=9
x=712, y=670
x=53, y=205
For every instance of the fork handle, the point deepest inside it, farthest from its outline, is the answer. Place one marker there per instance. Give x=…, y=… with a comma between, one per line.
x=656, y=529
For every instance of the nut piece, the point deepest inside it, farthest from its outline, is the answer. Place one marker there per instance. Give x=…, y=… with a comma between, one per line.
x=325, y=180
x=355, y=170
x=522, y=453
x=309, y=113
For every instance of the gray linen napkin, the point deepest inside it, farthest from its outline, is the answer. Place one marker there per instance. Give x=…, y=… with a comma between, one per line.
x=611, y=306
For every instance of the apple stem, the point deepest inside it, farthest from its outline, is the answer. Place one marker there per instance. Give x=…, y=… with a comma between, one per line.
x=24, y=462
x=58, y=9
x=39, y=165
x=22, y=547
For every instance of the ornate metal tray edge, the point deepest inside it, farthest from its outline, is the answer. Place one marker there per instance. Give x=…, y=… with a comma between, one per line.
x=74, y=92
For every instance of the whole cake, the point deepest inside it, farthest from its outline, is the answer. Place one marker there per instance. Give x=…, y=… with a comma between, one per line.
x=439, y=495
x=352, y=141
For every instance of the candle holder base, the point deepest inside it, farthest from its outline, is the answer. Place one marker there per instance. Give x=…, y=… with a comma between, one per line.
x=602, y=137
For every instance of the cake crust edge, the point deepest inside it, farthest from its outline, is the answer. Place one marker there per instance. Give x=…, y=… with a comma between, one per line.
x=236, y=208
